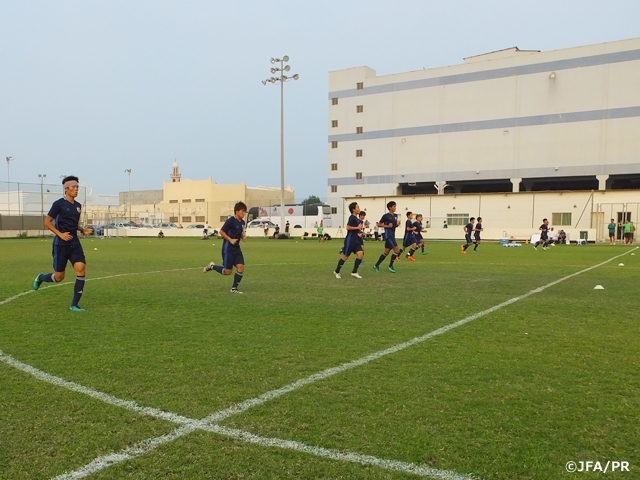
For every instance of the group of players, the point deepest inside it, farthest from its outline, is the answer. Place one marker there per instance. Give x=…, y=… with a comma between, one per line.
x=63, y=219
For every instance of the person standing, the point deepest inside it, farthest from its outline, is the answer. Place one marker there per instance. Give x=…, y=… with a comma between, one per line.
x=389, y=222
x=232, y=232
x=612, y=232
x=266, y=229
x=63, y=220
x=628, y=239
x=468, y=231
x=352, y=242
x=320, y=231
x=286, y=227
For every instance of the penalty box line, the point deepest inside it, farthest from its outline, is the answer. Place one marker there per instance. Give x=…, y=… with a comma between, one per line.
x=206, y=423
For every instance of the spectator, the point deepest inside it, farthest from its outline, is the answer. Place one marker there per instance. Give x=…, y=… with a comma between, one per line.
x=160, y=235
x=321, y=232
x=266, y=229
x=562, y=237
x=628, y=234
x=444, y=225
x=612, y=232
x=286, y=227
x=276, y=231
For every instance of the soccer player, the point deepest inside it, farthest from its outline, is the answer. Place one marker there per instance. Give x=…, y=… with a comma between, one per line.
x=418, y=232
x=232, y=232
x=389, y=222
x=353, y=242
x=476, y=233
x=409, y=239
x=544, y=235
x=63, y=220
x=468, y=230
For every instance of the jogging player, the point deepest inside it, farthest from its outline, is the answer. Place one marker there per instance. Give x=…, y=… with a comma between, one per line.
x=389, y=222
x=353, y=241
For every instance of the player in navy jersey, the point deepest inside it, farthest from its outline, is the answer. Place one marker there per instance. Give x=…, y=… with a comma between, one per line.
x=418, y=232
x=389, y=222
x=63, y=220
x=476, y=234
x=232, y=232
x=353, y=242
x=544, y=235
x=468, y=231
x=409, y=240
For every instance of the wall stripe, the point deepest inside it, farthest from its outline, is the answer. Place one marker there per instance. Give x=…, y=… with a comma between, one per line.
x=565, y=64
x=530, y=121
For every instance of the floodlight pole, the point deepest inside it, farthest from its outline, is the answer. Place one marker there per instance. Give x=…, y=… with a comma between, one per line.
x=282, y=78
x=128, y=170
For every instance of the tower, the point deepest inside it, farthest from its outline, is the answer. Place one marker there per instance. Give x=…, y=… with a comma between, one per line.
x=175, y=176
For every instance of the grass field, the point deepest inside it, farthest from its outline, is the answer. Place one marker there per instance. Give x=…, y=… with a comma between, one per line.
x=515, y=393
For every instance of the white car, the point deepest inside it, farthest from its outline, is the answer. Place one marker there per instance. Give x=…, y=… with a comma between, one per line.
x=259, y=223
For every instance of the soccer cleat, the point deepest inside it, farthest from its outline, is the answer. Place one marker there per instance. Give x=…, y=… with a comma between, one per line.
x=356, y=275
x=37, y=282
x=544, y=248
x=76, y=308
x=209, y=267
x=535, y=248
x=392, y=270
x=462, y=248
x=411, y=258
x=337, y=275
x=424, y=253
x=236, y=291
x=376, y=268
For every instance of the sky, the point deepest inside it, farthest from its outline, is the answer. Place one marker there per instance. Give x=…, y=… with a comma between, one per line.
x=92, y=88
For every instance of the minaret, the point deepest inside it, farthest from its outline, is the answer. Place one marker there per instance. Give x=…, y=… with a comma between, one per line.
x=175, y=176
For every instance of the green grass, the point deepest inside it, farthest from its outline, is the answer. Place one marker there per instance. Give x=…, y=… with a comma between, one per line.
x=512, y=395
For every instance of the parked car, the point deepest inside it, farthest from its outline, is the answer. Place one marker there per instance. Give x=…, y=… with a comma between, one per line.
x=120, y=225
x=166, y=225
x=197, y=225
x=97, y=230
x=259, y=223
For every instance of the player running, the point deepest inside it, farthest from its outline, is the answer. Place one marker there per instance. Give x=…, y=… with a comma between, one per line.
x=389, y=222
x=476, y=233
x=409, y=239
x=353, y=242
x=63, y=220
x=468, y=231
x=232, y=232
x=419, y=229
x=544, y=235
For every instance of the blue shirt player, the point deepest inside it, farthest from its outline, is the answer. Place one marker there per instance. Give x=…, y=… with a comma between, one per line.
x=389, y=222
x=418, y=232
x=63, y=220
x=232, y=232
x=352, y=242
x=468, y=231
x=476, y=234
x=410, y=236
x=544, y=235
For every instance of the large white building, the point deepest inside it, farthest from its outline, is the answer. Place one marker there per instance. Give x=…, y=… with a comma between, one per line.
x=507, y=121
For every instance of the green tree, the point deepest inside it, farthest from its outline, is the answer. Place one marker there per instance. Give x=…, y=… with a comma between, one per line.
x=311, y=199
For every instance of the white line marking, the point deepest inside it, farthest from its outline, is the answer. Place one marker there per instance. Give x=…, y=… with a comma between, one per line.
x=189, y=425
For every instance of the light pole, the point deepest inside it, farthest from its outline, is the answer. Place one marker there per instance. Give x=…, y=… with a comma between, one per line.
x=42, y=176
x=128, y=170
x=9, y=160
x=281, y=78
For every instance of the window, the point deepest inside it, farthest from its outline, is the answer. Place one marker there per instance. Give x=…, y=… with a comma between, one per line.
x=173, y=201
x=457, y=218
x=186, y=200
x=358, y=130
x=334, y=144
x=186, y=219
x=359, y=86
x=173, y=219
x=223, y=218
x=334, y=123
x=334, y=101
x=200, y=219
x=561, y=219
x=334, y=167
x=358, y=153
x=334, y=209
x=201, y=200
x=334, y=188
x=358, y=175
x=359, y=108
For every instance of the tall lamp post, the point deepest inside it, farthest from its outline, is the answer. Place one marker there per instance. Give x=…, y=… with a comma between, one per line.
x=42, y=176
x=128, y=170
x=280, y=71
x=9, y=160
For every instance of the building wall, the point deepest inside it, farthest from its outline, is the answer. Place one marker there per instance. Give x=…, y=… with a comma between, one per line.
x=506, y=115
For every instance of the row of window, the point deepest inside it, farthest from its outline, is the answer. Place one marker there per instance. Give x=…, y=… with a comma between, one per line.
x=188, y=200
x=559, y=219
x=359, y=86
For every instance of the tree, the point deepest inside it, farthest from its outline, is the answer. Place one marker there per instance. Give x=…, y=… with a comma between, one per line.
x=311, y=199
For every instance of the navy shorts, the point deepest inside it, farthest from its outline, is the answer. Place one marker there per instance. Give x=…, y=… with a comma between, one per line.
x=67, y=253
x=390, y=243
x=353, y=248
x=477, y=237
x=409, y=239
x=419, y=237
x=467, y=237
x=544, y=236
x=231, y=256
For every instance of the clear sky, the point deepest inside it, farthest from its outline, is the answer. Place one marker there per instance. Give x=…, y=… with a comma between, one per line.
x=92, y=87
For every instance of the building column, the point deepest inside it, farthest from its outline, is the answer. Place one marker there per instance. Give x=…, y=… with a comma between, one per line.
x=515, y=183
x=440, y=186
x=602, y=181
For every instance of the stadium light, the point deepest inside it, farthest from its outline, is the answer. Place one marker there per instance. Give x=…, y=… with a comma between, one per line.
x=282, y=78
x=42, y=176
x=128, y=170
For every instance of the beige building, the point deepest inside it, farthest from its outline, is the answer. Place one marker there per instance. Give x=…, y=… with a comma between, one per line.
x=502, y=122
x=186, y=201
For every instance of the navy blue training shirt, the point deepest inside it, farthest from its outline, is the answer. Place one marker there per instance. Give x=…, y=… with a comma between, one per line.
x=390, y=218
x=469, y=228
x=233, y=228
x=352, y=235
x=66, y=216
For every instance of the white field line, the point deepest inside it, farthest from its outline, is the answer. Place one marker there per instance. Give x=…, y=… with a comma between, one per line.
x=189, y=425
